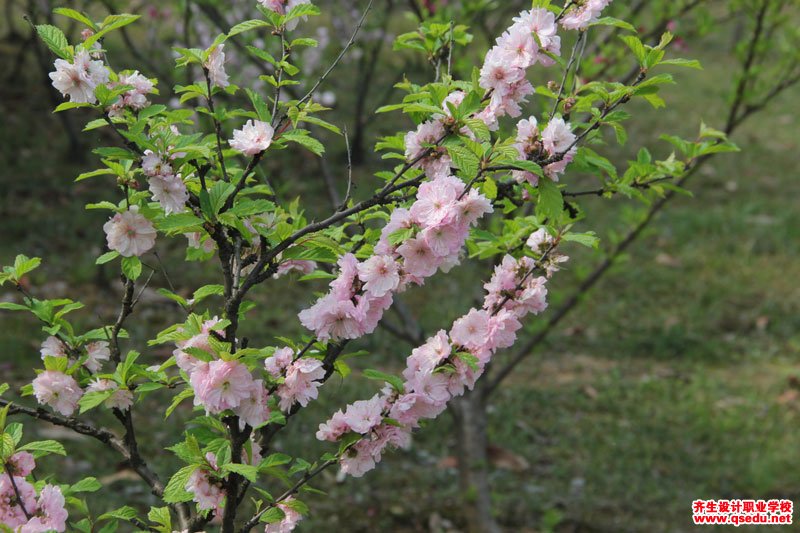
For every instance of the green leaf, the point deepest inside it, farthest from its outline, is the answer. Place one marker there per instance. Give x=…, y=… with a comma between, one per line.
x=179, y=223
x=206, y=291
x=106, y=257
x=588, y=239
x=44, y=447
x=175, y=491
x=123, y=513
x=636, y=47
x=302, y=138
x=89, y=484
x=184, y=394
x=90, y=400
x=248, y=472
x=489, y=188
x=611, y=21
x=131, y=267
x=247, y=25
x=465, y=160
x=92, y=174
x=55, y=40
x=24, y=264
x=276, y=459
x=75, y=15
x=161, y=516
x=111, y=22
x=550, y=202
x=394, y=381
x=688, y=63
x=260, y=106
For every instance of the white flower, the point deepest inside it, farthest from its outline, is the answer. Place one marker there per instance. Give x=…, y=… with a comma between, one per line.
x=130, y=233
x=253, y=138
x=78, y=79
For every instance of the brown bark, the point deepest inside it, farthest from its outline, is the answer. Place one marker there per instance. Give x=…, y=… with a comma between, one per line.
x=470, y=415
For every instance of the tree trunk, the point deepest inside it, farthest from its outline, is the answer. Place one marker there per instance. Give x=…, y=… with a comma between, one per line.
x=473, y=466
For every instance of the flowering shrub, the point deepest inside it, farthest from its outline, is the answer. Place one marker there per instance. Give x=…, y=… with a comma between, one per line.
x=474, y=180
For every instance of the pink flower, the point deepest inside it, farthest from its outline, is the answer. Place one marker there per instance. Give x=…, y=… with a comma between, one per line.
x=97, y=353
x=359, y=459
x=419, y=259
x=215, y=64
x=78, y=79
x=279, y=361
x=472, y=207
x=186, y=362
x=53, y=347
x=21, y=464
x=253, y=138
x=427, y=357
x=380, y=274
x=135, y=98
x=363, y=415
x=470, y=330
x=298, y=265
x=333, y=428
x=289, y=520
x=278, y=6
x=499, y=71
x=539, y=241
x=503, y=328
x=11, y=513
x=446, y=239
x=200, y=241
x=120, y=399
x=333, y=317
x=579, y=18
x=154, y=165
x=301, y=384
x=221, y=385
x=58, y=390
x=254, y=410
x=433, y=388
x=170, y=192
x=50, y=515
x=130, y=233
x=205, y=492
x=557, y=137
x=437, y=162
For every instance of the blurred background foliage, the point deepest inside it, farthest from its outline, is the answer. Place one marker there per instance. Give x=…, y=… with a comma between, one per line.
x=675, y=378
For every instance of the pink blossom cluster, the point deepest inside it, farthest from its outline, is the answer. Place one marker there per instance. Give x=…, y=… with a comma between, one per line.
x=58, y=390
x=46, y=512
x=221, y=385
x=443, y=367
x=302, y=377
x=134, y=98
x=557, y=139
x=438, y=223
x=282, y=7
x=588, y=11
x=527, y=42
x=130, y=233
x=79, y=79
x=289, y=521
x=96, y=352
x=206, y=483
x=166, y=186
x=119, y=399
